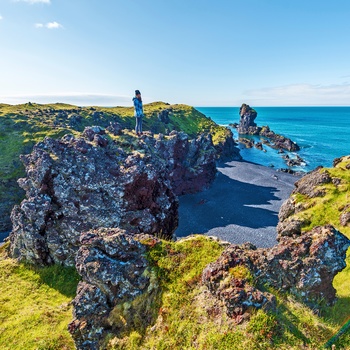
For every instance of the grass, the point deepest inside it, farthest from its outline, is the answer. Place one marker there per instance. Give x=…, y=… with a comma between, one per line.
x=186, y=319
x=35, y=305
x=35, y=308
x=21, y=126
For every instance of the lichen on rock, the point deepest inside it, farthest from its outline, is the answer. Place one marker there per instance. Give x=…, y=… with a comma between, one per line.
x=74, y=185
x=118, y=292
x=304, y=266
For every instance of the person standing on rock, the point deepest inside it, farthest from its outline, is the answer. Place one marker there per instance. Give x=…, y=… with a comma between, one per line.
x=138, y=112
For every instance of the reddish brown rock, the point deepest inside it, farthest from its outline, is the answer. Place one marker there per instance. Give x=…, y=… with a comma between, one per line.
x=304, y=266
x=118, y=292
x=73, y=186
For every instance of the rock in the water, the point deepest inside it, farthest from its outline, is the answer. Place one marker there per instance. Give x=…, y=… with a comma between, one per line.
x=279, y=141
x=247, y=117
x=248, y=126
x=118, y=291
x=73, y=186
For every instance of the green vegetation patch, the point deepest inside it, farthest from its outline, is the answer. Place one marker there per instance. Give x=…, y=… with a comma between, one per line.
x=189, y=316
x=35, y=305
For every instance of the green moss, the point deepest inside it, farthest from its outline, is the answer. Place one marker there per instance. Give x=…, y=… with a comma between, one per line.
x=183, y=321
x=35, y=305
x=241, y=272
x=21, y=126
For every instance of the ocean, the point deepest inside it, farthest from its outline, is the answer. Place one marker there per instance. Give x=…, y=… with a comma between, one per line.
x=323, y=133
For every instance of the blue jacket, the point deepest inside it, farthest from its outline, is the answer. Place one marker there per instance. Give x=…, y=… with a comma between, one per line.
x=138, y=107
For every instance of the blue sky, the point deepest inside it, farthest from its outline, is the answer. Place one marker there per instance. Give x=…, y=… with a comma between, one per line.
x=202, y=53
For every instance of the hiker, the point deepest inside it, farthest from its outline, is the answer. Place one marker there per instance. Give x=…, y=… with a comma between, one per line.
x=138, y=112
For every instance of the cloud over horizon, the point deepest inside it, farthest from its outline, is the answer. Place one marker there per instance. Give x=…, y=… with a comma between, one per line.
x=79, y=99
x=301, y=95
x=35, y=1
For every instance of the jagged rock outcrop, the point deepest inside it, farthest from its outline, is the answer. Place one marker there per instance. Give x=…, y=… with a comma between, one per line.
x=279, y=141
x=227, y=148
x=303, y=266
x=74, y=185
x=248, y=126
x=228, y=280
x=246, y=122
x=163, y=115
x=118, y=292
x=190, y=163
x=77, y=184
x=310, y=186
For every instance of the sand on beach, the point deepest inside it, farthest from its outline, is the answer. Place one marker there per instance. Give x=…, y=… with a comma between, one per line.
x=241, y=205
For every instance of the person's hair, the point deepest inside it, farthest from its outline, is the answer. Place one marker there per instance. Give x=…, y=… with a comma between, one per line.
x=137, y=92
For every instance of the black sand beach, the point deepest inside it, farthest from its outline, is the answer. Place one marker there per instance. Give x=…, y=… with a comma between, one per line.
x=241, y=206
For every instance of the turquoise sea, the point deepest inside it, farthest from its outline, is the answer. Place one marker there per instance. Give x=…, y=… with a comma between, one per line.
x=323, y=133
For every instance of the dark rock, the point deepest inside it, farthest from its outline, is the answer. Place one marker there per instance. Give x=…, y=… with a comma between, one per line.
x=309, y=184
x=236, y=291
x=163, y=115
x=118, y=292
x=74, y=120
x=291, y=171
x=114, y=128
x=190, y=164
x=249, y=143
x=91, y=131
x=259, y=146
x=290, y=227
x=100, y=141
x=73, y=186
x=247, y=117
x=345, y=216
x=227, y=148
x=304, y=266
x=280, y=142
x=248, y=126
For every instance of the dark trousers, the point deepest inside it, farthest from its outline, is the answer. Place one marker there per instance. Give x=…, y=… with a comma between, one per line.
x=138, y=127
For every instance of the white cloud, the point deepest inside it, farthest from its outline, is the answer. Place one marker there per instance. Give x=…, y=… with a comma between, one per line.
x=1, y=17
x=301, y=95
x=75, y=98
x=53, y=25
x=50, y=25
x=35, y=1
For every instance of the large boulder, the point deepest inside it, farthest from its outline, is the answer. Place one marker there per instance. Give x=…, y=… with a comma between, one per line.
x=74, y=185
x=190, y=163
x=118, y=292
x=304, y=266
x=246, y=122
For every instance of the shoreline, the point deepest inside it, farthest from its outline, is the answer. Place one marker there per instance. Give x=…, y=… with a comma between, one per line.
x=237, y=176
x=241, y=205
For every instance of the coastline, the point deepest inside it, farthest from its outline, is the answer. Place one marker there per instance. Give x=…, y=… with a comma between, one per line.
x=240, y=206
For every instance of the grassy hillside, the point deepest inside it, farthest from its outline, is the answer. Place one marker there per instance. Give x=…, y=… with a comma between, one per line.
x=21, y=126
x=35, y=305
x=35, y=309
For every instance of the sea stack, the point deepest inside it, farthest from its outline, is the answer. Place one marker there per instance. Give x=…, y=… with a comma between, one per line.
x=246, y=122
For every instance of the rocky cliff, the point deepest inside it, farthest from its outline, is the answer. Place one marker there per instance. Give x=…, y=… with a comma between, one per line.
x=77, y=184
x=22, y=126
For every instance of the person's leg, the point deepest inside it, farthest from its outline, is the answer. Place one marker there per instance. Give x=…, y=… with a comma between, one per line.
x=141, y=125
x=137, y=127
